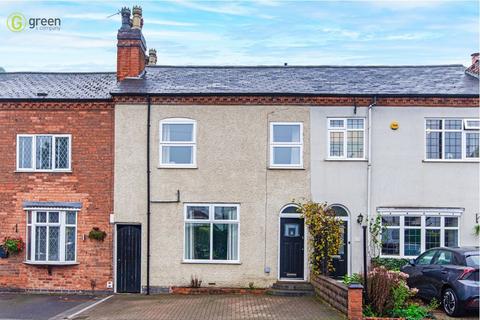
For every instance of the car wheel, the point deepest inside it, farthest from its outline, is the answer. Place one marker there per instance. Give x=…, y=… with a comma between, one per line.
x=451, y=304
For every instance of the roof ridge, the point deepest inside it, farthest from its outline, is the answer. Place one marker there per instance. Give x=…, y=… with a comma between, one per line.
x=306, y=66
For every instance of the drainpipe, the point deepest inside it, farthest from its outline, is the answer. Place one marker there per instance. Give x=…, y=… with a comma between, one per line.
x=369, y=163
x=369, y=194
x=148, y=193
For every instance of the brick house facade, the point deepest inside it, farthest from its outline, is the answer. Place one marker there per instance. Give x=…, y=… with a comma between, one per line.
x=89, y=182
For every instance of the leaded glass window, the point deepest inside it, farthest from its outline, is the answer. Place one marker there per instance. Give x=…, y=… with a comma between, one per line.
x=43, y=152
x=346, y=138
x=51, y=236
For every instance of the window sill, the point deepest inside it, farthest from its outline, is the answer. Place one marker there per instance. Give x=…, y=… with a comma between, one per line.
x=346, y=160
x=285, y=168
x=43, y=171
x=451, y=161
x=210, y=262
x=177, y=167
x=51, y=263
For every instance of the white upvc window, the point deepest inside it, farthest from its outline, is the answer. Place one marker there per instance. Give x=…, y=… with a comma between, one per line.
x=346, y=138
x=51, y=236
x=44, y=152
x=452, y=139
x=286, y=145
x=406, y=235
x=212, y=233
x=178, y=143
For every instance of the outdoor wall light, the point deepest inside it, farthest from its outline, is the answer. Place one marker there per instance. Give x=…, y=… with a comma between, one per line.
x=360, y=218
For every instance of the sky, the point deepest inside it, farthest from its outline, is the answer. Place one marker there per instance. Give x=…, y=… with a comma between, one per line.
x=263, y=32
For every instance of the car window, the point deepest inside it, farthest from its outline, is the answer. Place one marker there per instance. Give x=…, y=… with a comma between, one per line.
x=426, y=258
x=444, y=258
x=473, y=261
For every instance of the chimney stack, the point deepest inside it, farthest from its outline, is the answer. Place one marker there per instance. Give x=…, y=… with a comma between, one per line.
x=474, y=69
x=131, y=45
x=475, y=57
x=152, y=57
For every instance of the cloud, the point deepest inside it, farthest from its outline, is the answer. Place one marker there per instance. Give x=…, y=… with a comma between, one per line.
x=408, y=4
x=170, y=23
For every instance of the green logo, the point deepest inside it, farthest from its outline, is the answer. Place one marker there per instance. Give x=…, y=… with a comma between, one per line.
x=16, y=22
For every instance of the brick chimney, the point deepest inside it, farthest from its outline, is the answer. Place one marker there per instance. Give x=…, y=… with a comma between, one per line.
x=152, y=57
x=131, y=46
x=474, y=69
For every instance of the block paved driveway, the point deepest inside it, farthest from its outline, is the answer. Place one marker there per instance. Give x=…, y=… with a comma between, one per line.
x=203, y=307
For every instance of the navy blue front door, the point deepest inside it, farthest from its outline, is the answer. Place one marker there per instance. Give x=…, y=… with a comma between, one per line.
x=129, y=239
x=291, y=248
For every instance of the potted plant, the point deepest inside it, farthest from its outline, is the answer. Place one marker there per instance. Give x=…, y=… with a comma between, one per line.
x=3, y=252
x=13, y=245
x=97, y=234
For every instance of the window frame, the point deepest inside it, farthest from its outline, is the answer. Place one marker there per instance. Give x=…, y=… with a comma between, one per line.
x=211, y=221
x=344, y=129
x=62, y=224
x=192, y=143
x=423, y=228
x=33, y=168
x=273, y=145
x=464, y=131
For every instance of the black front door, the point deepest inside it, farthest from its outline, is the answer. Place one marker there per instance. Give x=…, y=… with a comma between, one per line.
x=129, y=238
x=291, y=248
x=340, y=261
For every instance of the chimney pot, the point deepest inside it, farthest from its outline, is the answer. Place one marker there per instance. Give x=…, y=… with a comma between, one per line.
x=152, y=57
x=125, y=18
x=137, y=21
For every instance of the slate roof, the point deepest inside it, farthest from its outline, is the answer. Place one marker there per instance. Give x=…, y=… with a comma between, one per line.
x=332, y=80
x=300, y=80
x=26, y=85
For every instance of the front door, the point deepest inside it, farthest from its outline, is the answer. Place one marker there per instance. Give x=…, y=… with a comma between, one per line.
x=340, y=261
x=129, y=239
x=291, y=248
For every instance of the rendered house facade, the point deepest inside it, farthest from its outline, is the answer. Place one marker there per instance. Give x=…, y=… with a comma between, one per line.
x=192, y=171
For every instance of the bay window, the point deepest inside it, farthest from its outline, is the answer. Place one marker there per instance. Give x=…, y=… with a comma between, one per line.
x=211, y=233
x=51, y=236
x=346, y=138
x=452, y=139
x=178, y=143
x=407, y=234
x=43, y=152
x=286, y=145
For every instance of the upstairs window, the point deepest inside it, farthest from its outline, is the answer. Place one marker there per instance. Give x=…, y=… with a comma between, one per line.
x=178, y=143
x=346, y=138
x=452, y=139
x=286, y=145
x=44, y=152
x=51, y=236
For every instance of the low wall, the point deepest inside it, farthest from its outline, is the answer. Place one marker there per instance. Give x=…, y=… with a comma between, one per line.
x=333, y=292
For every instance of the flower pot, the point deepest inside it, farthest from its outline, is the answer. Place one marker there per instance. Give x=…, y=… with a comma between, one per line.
x=3, y=253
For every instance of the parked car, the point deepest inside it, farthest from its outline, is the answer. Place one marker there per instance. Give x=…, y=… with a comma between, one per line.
x=449, y=275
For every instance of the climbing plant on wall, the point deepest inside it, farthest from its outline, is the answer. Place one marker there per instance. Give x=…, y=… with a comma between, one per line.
x=325, y=235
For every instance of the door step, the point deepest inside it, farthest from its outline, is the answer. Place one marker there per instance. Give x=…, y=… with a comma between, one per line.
x=291, y=288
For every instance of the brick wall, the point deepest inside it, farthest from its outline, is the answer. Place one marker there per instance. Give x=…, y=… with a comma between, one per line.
x=331, y=291
x=360, y=101
x=90, y=182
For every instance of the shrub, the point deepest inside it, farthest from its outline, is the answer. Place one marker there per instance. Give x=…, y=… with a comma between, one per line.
x=354, y=278
x=393, y=264
x=412, y=312
x=387, y=289
x=13, y=245
x=325, y=231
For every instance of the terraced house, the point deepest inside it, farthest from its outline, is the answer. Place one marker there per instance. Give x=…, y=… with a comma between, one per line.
x=193, y=171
